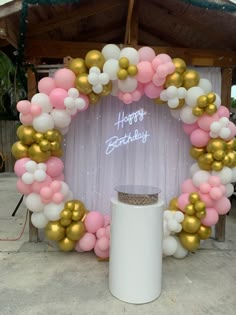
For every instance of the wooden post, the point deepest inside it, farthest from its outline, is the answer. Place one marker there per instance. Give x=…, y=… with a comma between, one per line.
x=226, y=82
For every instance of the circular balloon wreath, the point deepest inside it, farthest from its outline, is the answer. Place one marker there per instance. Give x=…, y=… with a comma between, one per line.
x=127, y=74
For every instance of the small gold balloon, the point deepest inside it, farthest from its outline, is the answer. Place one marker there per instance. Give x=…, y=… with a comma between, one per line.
x=217, y=166
x=189, y=209
x=45, y=145
x=66, y=214
x=65, y=222
x=124, y=63
x=226, y=160
x=201, y=214
x=180, y=65
x=219, y=155
x=54, y=231
x=202, y=101
x=190, y=78
x=57, y=153
x=83, y=84
x=75, y=231
x=199, y=206
x=55, y=146
x=211, y=97
x=196, y=152
x=190, y=224
x=37, y=155
x=94, y=58
x=159, y=101
x=79, y=206
x=204, y=166
x=194, y=197
x=77, y=65
x=38, y=137
x=204, y=232
x=66, y=244
x=216, y=144
x=211, y=109
x=231, y=158
x=175, y=79
x=19, y=150
x=122, y=74
x=206, y=158
x=26, y=134
x=50, y=135
x=77, y=215
x=231, y=145
x=173, y=204
x=106, y=89
x=70, y=205
x=93, y=98
x=132, y=70
x=191, y=242
x=197, y=111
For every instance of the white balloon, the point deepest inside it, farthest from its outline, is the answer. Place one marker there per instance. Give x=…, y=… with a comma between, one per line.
x=163, y=96
x=43, y=122
x=71, y=111
x=52, y=211
x=43, y=101
x=180, y=252
x=28, y=178
x=200, y=177
x=61, y=118
x=172, y=92
x=225, y=175
x=169, y=246
x=224, y=121
x=95, y=70
x=194, y=168
x=33, y=202
x=69, y=196
x=172, y=225
x=233, y=175
x=229, y=190
x=39, y=220
x=64, y=188
x=182, y=92
x=130, y=53
x=173, y=103
x=187, y=116
x=73, y=92
x=93, y=78
x=69, y=102
x=206, y=85
x=224, y=133
x=192, y=95
x=104, y=78
x=64, y=130
x=40, y=175
x=80, y=103
x=111, y=67
x=213, y=134
x=215, y=126
x=179, y=216
x=97, y=88
x=42, y=166
x=166, y=231
x=128, y=85
x=111, y=51
x=167, y=214
x=31, y=166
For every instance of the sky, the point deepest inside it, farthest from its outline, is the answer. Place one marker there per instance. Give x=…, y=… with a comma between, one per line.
x=233, y=91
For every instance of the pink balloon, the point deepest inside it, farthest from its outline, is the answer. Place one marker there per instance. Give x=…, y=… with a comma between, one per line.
x=57, y=197
x=107, y=220
x=206, y=199
x=65, y=78
x=23, y=188
x=101, y=232
x=199, y=138
x=23, y=107
x=222, y=205
x=108, y=231
x=57, y=97
x=183, y=201
x=152, y=91
x=19, y=167
x=160, y=59
x=156, y=80
x=205, y=188
x=216, y=193
x=145, y=72
x=189, y=128
x=87, y=242
x=26, y=119
x=35, y=110
x=37, y=186
x=214, y=181
x=211, y=217
x=205, y=121
x=232, y=129
x=188, y=186
x=223, y=189
x=223, y=112
x=46, y=193
x=60, y=178
x=146, y=54
x=94, y=220
x=55, y=185
x=101, y=253
x=136, y=95
x=127, y=98
x=46, y=85
x=55, y=166
x=170, y=67
x=103, y=243
x=162, y=71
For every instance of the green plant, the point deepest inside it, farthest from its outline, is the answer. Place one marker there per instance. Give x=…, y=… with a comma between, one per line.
x=233, y=102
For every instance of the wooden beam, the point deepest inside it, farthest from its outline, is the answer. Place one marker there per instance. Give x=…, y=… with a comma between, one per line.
x=134, y=27
x=10, y=34
x=10, y=8
x=83, y=11
x=196, y=57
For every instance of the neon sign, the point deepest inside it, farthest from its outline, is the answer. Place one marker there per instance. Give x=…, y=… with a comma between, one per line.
x=130, y=136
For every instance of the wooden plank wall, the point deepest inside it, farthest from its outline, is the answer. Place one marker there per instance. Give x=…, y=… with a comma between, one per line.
x=7, y=138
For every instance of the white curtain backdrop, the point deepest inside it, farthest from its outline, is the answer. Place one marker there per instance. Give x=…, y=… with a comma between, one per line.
x=158, y=154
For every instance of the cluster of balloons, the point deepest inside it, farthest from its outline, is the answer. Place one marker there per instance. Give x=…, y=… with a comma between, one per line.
x=128, y=74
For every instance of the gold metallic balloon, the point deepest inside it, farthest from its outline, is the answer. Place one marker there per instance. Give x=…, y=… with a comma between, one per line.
x=55, y=146
x=93, y=98
x=37, y=155
x=66, y=214
x=181, y=104
x=175, y=79
x=190, y=78
x=217, y=166
x=199, y=206
x=189, y=209
x=230, y=159
x=194, y=197
x=190, y=224
x=69, y=205
x=38, y=137
x=204, y=232
x=106, y=89
x=219, y=155
x=159, y=101
x=206, y=158
x=51, y=135
x=180, y=65
x=211, y=109
x=19, y=150
x=66, y=244
x=65, y=222
x=201, y=214
x=197, y=111
x=26, y=134
x=204, y=166
x=202, y=101
x=75, y=231
x=45, y=145
x=80, y=207
x=57, y=153
x=191, y=242
x=54, y=231
x=231, y=144
x=196, y=152
x=216, y=144
x=83, y=84
x=77, y=65
x=94, y=58
x=77, y=215
x=124, y=63
x=173, y=205
x=211, y=97
x=122, y=74
x=132, y=70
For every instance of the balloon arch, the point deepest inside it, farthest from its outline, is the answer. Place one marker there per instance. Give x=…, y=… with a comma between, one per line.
x=127, y=74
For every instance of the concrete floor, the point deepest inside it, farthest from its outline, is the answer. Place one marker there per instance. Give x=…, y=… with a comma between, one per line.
x=37, y=279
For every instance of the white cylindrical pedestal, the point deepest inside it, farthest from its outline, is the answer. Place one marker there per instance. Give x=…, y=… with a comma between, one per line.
x=135, y=267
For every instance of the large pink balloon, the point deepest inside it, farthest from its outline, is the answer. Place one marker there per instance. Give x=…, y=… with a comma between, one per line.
x=152, y=91
x=189, y=128
x=188, y=186
x=19, y=167
x=57, y=97
x=87, y=242
x=146, y=54
x=94, y=220
x=55, y=166
x=103, y=243
x=46, y=85
x=206, y=199
x=65, y=79
x=211, y=217
x=23, y=107
x=223, y=112
x=101, y=253
x=199, y=138
x=222, y=205
x=145, y=72
x=23, y=188
x=183, y=201
x=204, y=122
x=36, y=186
